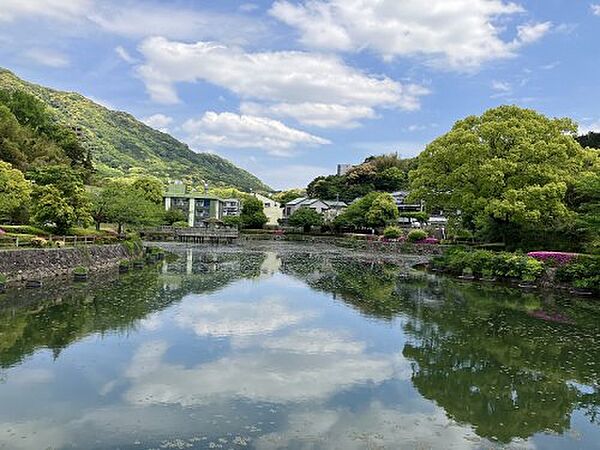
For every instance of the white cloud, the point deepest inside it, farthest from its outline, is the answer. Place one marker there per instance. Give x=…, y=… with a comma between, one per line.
x=228, y=318
x=136, y=20
x=306, y=373
x=160, y=122
x=297, y=84
x=47, y=57
x=124, y=55
x=459, y=34
x=54, y=9
x=376, y=426
x=321, y=115
x=530, y=33
x=595, y=9
x=501, y=86
x=229, y=130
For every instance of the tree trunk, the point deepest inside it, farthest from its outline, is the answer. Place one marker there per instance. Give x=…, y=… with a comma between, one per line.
x=98, y=226
x=120, y=230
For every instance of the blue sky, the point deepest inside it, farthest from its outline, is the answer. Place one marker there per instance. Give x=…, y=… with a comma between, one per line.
x=287, y=89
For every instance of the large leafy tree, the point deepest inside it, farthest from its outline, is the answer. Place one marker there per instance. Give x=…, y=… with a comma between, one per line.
x=126, y=202
x=306, y=218
x=15, y=191
x=59, y=197
x=374, y=210
x=252, y=215
x=508, y=170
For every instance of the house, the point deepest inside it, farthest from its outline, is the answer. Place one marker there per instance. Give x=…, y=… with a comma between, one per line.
x=199, y=207
x=231, y=207
x=271, y=208
x=329, y=209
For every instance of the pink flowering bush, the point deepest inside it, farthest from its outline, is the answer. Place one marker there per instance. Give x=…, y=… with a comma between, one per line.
x=430, y=240
x=555, y=258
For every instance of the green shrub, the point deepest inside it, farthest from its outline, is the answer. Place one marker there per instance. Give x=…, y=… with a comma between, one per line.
x=80, y=270
x=486, y=263
x=181, y=224
x=392, y=232
x=416, y=235
x=2, y=278
x=582, y=272
x=124, y=263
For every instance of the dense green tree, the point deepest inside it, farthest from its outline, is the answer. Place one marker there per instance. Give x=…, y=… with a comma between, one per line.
x=59, y=197
x=507, y=170
x=15, y=191
x=253, y=215
x=151, y=187
x=387, y=173
x=127, y=204
x=174, y=215
x=374, y=210
x=306, y=218
x=51, y=207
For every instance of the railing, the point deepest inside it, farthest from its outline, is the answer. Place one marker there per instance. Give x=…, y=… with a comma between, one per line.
x=50, y=241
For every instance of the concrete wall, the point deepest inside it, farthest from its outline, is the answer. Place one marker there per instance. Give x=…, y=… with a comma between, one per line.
x=26, y=264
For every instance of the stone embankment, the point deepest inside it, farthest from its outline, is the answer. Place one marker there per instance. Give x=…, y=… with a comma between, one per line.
x=29, y=264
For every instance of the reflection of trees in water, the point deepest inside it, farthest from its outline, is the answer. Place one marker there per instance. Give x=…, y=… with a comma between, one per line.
x=68, y=314
x=480, y=352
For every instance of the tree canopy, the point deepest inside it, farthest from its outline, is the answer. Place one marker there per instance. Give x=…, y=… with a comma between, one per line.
x=15, y=191
x=507, y=171
x=305, y=218
x=252, y=215
x=387, y=173
x=374, y=210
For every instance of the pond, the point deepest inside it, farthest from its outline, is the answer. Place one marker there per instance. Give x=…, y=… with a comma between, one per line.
x=299, y=347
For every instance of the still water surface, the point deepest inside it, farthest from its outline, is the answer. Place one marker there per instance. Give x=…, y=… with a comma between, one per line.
x=298, y=348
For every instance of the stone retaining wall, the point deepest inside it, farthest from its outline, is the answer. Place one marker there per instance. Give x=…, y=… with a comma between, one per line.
x=27, y=264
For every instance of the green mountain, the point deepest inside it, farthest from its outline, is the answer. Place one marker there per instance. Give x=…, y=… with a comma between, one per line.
x=121, y=144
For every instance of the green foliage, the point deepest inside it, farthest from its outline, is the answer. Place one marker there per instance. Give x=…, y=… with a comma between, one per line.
x=289, y=195
x=224, y=193
x=2, y=279
x=173, y=216
x=374, y=210
x=59, y=198
x=486, y=263
x=15, y=191
x=392, y=232
x=232, y=221
x=80, y=271
x=126, y=203
x=306, y=218
x=31, y=136
x=121, y=145
x=416, y=235
x=253, y=215
x=151, y=188
x=583, y=272
x=508, y=170
x=591, y=140
x=181, y=224
x=386, y=173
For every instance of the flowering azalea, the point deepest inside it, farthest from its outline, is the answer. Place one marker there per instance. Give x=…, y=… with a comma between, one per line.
x=559, y=258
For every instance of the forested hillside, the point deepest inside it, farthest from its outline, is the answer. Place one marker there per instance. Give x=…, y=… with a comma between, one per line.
x=120, y=145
